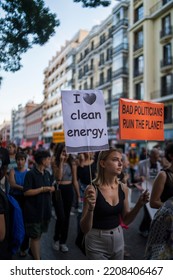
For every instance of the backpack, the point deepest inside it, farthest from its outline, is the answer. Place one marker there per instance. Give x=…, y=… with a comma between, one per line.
x=17, y=229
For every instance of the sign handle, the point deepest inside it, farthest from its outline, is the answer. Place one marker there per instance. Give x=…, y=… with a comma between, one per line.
x=90, y=169
x=146, y=142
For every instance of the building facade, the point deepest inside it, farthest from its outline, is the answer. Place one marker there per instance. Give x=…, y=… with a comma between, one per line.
x=151, y=55
x=58, y=76
x=33, y=125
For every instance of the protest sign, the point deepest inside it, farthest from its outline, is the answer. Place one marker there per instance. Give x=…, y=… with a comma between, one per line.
x=84, y=120
x=141, y=120
x=58, y=137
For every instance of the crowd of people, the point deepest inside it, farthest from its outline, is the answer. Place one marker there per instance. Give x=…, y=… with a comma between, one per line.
x=99, y=186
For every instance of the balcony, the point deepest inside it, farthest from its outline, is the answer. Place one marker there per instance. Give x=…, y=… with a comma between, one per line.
x=104, y=83
x=167, y=92
x=121, y=22
x=159, y=6
x=158, y=94
x=121, y=47
x=166, y=34
x=120, y=71
x=166, y=64
x=138, y=73
x=116, y=97
x=138, y=46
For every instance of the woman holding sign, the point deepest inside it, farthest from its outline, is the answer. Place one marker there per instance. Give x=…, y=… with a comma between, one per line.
x=105, y=202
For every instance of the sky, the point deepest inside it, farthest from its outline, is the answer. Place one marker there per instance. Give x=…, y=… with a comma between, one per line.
x=27, y=84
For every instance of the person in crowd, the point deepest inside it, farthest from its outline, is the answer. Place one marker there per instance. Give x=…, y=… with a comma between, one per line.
x=160, y=240
x=86, y=172
x=12, y=153
x=105, y=202
x=143, y=154
x=37, y=210
x=5, y=252
x=3, y=181
x=30, y=158
x=147, y=170
x=133, y=161
x=163, y=183
x=165, y=163
x=65, y=173
x=16, y=181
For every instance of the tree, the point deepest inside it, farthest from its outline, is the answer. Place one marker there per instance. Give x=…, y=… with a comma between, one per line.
x=24, y=23
x=94, y=3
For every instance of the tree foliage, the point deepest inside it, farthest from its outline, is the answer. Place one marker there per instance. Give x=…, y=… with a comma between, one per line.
x=94, y=3
x=24, y=23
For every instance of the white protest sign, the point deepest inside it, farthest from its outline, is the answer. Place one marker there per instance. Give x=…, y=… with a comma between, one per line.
x=84, y=119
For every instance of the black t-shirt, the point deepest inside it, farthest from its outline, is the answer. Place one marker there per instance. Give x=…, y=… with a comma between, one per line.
x=168, y=187
x=4, y=157
x=5, y=253
x=38, y=207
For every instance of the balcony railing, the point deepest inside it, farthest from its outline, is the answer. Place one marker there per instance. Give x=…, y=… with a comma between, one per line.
x=158, y=6
x=166, y=32
x=121, y=47
x=121, y=71
x=166, y=62
x=166, y=92
x=138, y=46
x=138, y=72
x=121, y=22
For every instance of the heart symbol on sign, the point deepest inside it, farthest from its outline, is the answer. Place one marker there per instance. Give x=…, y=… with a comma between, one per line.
x=89, y=98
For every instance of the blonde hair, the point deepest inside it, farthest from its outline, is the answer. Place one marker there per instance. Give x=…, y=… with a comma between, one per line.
x=103, y=155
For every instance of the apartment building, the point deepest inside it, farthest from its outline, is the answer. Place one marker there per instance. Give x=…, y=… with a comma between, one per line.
x=94, y=62
x=5, y=132
x=33, y=125
x=17, y=131
x=58, y=76
x=151, y=55
x=120, y=70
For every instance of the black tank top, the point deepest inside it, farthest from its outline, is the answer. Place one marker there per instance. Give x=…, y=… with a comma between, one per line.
x=168, y=187
x=107, y=216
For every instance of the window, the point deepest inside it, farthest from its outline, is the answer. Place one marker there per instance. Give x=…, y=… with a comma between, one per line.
x=102, y=39
x=85, y=85
x=139, y=13
x=117, y=17
x=101, y=78
x=92, y=45
x=138, y=39
x=139, y=65
x=167, y=60
x=118, y=38
x=139, y=91
x=166, y=25
x=108, y=54
x=167, y=85
x=92, y=63
x=109, y=74
x=168, y=118
x=109, y=119
x=91, y=83
x=165, y=1
x=101, y=59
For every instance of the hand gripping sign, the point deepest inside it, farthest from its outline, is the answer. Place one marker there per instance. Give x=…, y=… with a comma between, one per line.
x=141, y=120
x=84, y=120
